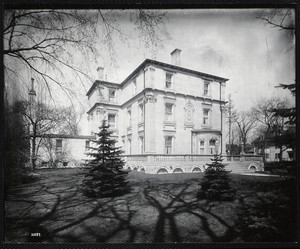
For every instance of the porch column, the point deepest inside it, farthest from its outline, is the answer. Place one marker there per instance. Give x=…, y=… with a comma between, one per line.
x=223, y=140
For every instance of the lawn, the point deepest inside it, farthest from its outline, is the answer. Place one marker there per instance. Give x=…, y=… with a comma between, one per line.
x=159, y=208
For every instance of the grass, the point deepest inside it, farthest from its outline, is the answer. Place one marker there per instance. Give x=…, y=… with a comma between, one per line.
x=159, y=208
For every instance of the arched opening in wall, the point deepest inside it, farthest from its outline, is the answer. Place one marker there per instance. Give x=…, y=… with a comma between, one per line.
x=135, y=169
x=162, y=171
x=253, y=168
x=142, y=169
x=196, y=170
x=128, y=168
x=178, y=170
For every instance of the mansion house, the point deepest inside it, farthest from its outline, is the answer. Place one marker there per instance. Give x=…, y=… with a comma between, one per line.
x=160, y=109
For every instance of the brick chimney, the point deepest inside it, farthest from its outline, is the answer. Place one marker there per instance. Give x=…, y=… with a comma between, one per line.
x=100, y=71
x=176, y=57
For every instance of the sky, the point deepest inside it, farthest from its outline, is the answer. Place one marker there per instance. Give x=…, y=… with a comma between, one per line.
x=230, y=43
x=233, y=44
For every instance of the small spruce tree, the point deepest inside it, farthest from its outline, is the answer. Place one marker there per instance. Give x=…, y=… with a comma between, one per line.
x=104, y=176
x=216, y=183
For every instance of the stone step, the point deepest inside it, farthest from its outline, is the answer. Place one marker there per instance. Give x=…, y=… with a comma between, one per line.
x=236, y=167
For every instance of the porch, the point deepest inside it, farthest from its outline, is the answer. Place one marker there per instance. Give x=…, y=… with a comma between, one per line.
x=189, y=163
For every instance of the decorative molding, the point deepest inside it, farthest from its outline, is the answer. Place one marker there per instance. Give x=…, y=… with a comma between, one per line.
x=129, y=130
x=223, y=108
x=207, y=102
x=189, y=115
x=141, y=133
x=169, y=95
x=215, y=137
x=140, y=101
x=169, y=133
x=150, y=98
x=151, y=68
x=187, y=125
x=141, y=127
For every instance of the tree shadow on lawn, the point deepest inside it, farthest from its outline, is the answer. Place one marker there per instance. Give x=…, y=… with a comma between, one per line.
x=152, y=212
x=200, y=217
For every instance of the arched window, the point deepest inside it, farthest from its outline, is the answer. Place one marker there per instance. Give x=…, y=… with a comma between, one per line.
x=197, y=170
x=178, y=170
x=162, y=171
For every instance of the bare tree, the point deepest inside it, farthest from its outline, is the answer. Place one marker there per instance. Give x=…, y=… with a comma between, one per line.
x=283, y=19
x=52, y=153
x=45, y=42
x=72, y=118
x=245, y=123
x=41, y=119
x=272, y=124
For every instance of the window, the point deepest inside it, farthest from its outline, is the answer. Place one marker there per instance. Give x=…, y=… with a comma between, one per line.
x=141, y=113
x=277, y=156
x=169, y=112
x=112, y=95
x=141, y=144
x=129, y=117
x=112, y=120
x=58, y=145
x=123, y=144
x=291, y=154
x=169, y=78
x=134, y=86
x=129, y=146
x=202, y=147
x=87, y=144
x=212, y=144
x=168, y=144
x=206, y=116
x=267, y=156
x=206, y=88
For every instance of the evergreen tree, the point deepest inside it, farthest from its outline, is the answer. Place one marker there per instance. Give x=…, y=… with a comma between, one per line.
x=105, y=175
x=216, y=184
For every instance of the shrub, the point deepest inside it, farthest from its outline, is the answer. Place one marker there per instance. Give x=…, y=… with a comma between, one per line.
x=216, y=183
x=105, y=175
x=284, y=167
x=270, y=216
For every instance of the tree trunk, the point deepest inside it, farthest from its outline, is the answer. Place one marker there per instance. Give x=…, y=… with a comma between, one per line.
x=280, y=154
x=33, y=152
x=263, y=150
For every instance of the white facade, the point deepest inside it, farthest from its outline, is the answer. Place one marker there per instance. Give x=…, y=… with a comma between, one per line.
x=162, y=109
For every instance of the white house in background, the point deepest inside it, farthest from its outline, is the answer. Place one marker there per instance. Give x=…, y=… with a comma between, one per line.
x=272, y=154
x=167, y=118
x=162, y=109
